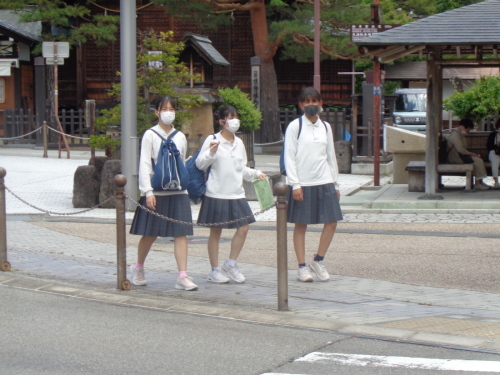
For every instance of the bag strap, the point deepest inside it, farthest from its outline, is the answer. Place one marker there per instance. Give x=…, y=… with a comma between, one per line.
x=163, y=139
x=300, y=126
x=169, y=137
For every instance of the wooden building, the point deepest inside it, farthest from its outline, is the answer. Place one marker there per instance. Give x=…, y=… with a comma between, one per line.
x=91, y=70
x=16, y=64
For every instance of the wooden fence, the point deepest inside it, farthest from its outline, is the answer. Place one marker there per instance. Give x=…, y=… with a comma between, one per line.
x=18, y=122
x=339, y=120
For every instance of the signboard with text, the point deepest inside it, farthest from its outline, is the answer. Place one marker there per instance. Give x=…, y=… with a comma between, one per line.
x=359, y=32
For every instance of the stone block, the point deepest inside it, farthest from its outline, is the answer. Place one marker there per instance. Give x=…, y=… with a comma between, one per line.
x=343, y=152
x=85, y=187
x=99, y=164
x=108, y=188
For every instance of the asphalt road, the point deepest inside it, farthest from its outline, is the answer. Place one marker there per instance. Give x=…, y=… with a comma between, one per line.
x=46, y=334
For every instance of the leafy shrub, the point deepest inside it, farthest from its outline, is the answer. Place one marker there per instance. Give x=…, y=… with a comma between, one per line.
x=478, y=102
x=250, y=116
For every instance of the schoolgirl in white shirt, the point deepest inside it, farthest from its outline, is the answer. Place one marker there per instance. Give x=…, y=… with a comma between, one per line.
x=224, y=199
x=172, y=204
x=312, y=174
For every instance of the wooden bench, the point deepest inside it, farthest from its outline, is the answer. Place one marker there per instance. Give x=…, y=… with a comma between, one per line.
x=476, y=143
x=416, y=174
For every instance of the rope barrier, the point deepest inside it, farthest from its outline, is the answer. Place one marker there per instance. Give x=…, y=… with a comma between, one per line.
x=267, y=144
x=66, y=135
x=21, y=136
x=48, y=127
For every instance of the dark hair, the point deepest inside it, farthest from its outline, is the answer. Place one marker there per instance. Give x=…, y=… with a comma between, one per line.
x=467, y=123
x=309, y=93
x=497, y=124
x=225, y=111
x=160, y=101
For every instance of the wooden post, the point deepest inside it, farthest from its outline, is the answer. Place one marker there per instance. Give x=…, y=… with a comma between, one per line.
x=281, y=190
x=56, y=106
x=90, y=123
x=121, y=242
x=45, y=141
x=434, y=119
x=4, y=264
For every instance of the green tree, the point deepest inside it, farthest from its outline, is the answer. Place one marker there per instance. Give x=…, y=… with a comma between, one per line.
x=478, y=102
x=72, y=18
x=159, y=72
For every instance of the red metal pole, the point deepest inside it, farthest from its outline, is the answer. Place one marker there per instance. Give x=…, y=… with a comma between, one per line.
x=317, y=37
x=376, y=106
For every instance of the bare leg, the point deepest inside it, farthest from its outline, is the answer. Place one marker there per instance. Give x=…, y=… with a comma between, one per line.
x=238, y=241
x=299, y=242
x=213, y=246
x=326, y=237
x=143, y=248
x=181, y=252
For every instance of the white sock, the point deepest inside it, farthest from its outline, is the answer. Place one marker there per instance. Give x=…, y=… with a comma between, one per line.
x=231, y=262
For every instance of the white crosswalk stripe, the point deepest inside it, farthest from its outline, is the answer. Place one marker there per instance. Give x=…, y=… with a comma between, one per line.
x=403, y=362
x=434, y=364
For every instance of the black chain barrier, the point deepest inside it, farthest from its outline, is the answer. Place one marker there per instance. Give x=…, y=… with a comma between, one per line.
x=140, y=206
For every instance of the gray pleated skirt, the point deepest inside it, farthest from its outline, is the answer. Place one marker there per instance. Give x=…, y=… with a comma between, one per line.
x=320, y=205
x=215, y=210
x=172, y=206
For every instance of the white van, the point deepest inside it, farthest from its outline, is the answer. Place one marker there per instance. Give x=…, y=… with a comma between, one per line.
x=410, y=109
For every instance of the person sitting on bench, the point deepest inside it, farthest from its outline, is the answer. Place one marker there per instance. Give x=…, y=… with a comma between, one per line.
x=458, y=153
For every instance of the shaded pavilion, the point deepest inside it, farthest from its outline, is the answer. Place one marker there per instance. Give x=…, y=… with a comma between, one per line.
x=461, y=38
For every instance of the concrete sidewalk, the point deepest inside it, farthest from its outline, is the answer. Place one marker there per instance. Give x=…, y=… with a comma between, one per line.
x=75, y=256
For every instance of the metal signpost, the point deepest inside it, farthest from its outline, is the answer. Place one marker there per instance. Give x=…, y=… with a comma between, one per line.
x=55, y=53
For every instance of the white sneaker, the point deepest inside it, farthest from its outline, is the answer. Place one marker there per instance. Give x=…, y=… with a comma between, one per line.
x=137, y=275
x=481, y=187
x=233, y=272
x=485, y=184
x=320, y=270
x=216, y=276
x=304, y=274
x=185, y=283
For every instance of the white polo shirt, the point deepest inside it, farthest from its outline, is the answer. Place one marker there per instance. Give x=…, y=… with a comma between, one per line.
x=229, y=168
x=310, y=160
x=150, y=147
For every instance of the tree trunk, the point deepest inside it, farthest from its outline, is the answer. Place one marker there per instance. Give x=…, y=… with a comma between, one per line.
x=271, y=130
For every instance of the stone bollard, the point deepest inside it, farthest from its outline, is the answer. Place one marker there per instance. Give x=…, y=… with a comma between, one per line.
x=281, y=189
x=121, y=242
x=4, y=264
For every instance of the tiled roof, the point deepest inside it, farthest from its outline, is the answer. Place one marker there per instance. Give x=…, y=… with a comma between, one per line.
x=205, y=48
x=476, y=24
x=16, y=32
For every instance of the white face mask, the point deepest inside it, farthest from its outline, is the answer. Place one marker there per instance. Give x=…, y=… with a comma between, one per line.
x=233, y=125
x=167, y=117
